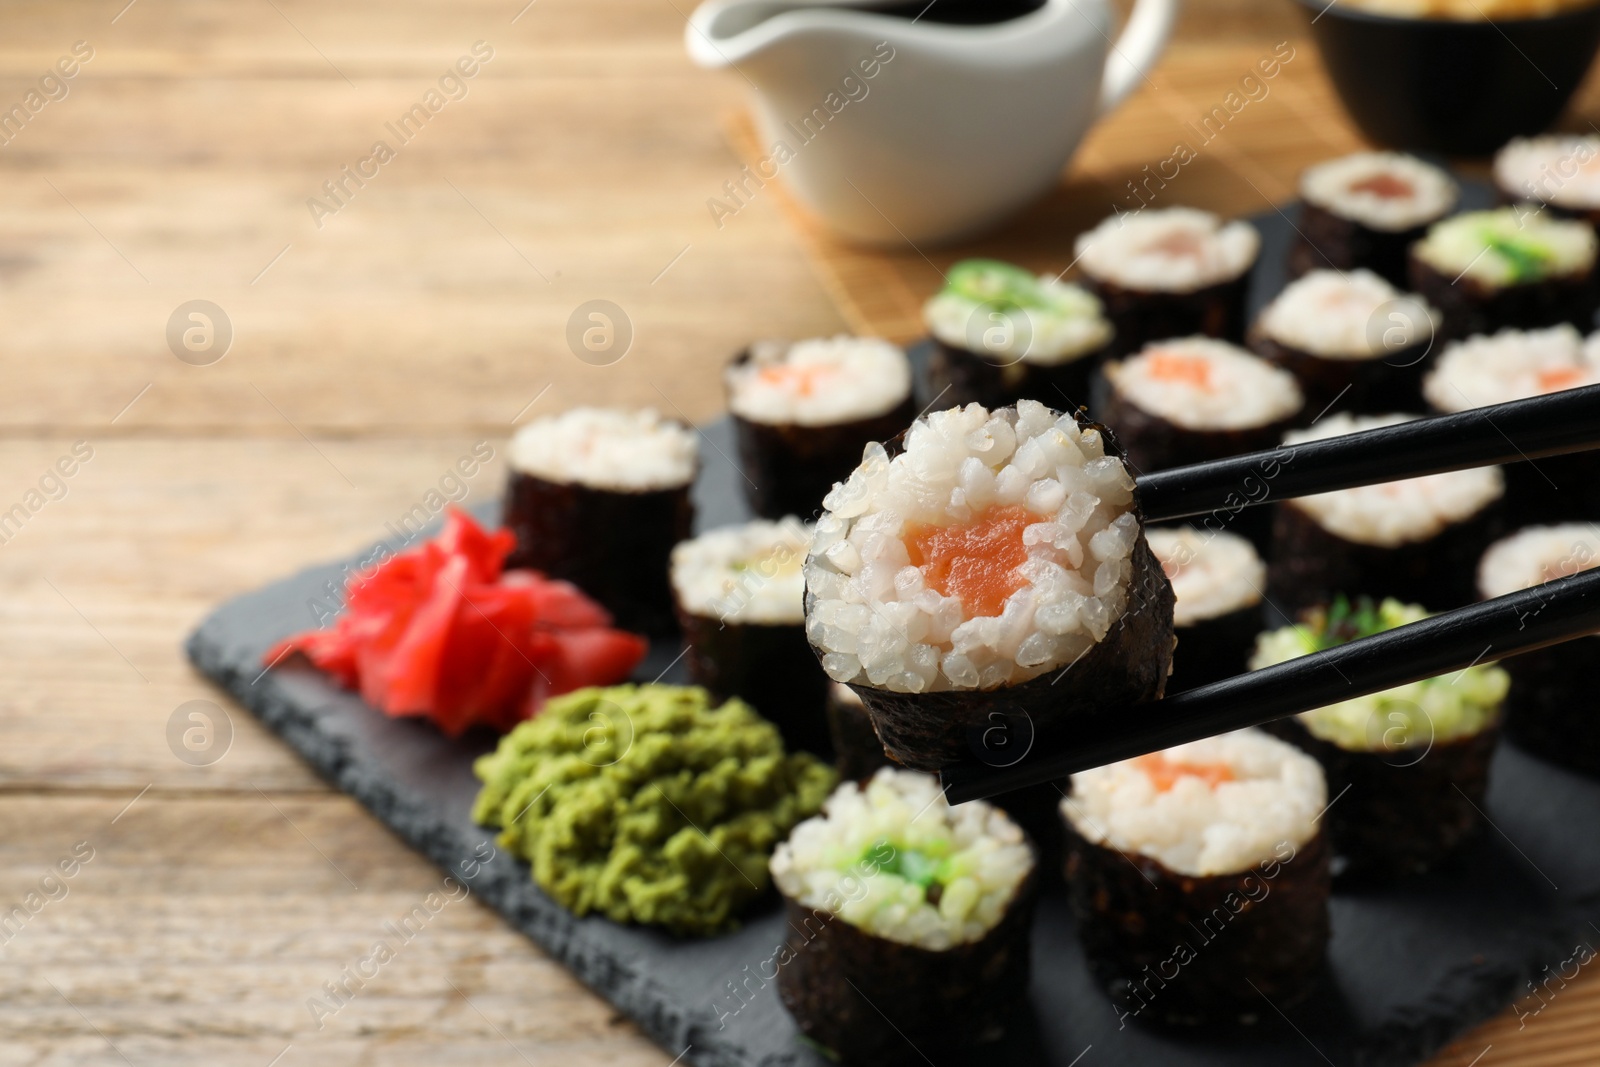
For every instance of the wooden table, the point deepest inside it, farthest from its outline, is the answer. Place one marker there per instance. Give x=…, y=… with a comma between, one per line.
x=426, y=314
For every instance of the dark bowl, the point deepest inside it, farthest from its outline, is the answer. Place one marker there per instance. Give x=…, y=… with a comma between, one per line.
x=1458, y=88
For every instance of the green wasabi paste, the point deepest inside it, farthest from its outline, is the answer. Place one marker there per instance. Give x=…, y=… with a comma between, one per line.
x=647, y=804
x=1432, y=711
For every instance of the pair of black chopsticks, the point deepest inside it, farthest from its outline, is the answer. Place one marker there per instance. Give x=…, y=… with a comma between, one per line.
x=1560, y=610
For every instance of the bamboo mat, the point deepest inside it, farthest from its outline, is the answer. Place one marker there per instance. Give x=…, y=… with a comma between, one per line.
x=1250, y=166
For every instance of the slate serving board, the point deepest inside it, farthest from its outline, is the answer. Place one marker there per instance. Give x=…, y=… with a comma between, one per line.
x=1410, y=967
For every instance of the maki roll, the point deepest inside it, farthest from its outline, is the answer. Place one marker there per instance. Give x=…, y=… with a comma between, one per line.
x=985, y=584
x=1170, y=273
x=1365, y=210
x=1352, y=340
x=598, y=497
x=740, y=598
x=1559, y=171
x=908, y=922
x=1200, y=878
x=1414, y=759
x=1218, y=580
x=1514, y=266
x=804, y=411
x=1001, y=335
x=1418, y=538
x=1511, y=365
x=1550, y=710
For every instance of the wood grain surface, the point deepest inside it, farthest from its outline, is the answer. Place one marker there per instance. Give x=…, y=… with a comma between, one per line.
x=427, y=314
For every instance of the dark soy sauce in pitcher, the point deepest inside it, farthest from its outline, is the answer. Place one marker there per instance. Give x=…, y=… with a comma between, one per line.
x=959, y=12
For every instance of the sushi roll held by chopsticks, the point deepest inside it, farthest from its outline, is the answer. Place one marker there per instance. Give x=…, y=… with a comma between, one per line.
x=1414, y=759
x=1550, y=710
x=1218, y=579
x=1514, y=266
x=1354, y=342
x=804, y=411
x=740, y=598
x=1170, y=273
x=1417, y=539
x=1511, y=365
x=986, y=583
x=1365, y=210
x=1200, y=878
x=908, y=922
x=1002, y=335
x=598, y=497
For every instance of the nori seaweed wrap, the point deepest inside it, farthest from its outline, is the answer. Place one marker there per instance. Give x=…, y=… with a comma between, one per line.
x=1511, y=267
x=1174, y=272
x=1408, y=767
x=1416, y=539
x=1001, y=335
x=905, y=951
x=803, y=412
x=1550, y=710
x=1365, y=210
x=1224, y=905
x=976, y=613
x=740, y=598
x=598, y=497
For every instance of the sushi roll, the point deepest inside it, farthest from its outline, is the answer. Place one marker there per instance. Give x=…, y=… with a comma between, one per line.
x=1365, y=210
x=1418, y=539
x=598, y=497
x=1559, y=171
x=1511, y=365
x=985, y=584
x=1550, y=710
x=1193, y=399
x=1352, y=339
x=740, y=599
x=1001, y=335
x=1200, y=879
x=1514, y=266
x=1170, y=273
x=908, y=922
x=1218, y=579
x=802, y=413
x=1414, y=759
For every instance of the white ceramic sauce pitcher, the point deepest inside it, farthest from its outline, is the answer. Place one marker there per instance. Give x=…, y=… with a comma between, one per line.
x=895, y=129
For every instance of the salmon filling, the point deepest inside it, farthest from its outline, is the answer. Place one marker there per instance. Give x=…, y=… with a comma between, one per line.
x=1164, y=773
x=1385, y=186
x=975, y=563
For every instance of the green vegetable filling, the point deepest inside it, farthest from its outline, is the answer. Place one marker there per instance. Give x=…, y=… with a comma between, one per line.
x=999, y=285
x=1432, y=711
x=1524, y=259
x=647, y=804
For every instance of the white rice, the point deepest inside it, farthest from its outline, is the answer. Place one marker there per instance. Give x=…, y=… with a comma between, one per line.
x=1073, y=326
x=744, y=574
x=1175, y=250
x=1511, y=365
x=1347, y=315
x=1351, y=187
x=1195, y=828
x=1461, y=246
x=1212, y=574
x=872, y=613
x=1392, y=514
x=1238, y=390
x=848, y=861
x=1561, y=169
x=607, y=448
x=820, y=382
x=1536, y=555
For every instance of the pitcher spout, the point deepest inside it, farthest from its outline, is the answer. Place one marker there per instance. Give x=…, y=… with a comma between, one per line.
x=730, y=33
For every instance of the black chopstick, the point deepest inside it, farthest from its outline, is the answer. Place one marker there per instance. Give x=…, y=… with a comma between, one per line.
x=1451, y=641
x=1548, y=425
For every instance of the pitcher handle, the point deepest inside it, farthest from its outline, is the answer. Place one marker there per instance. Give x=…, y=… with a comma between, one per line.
x=1137, y=50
